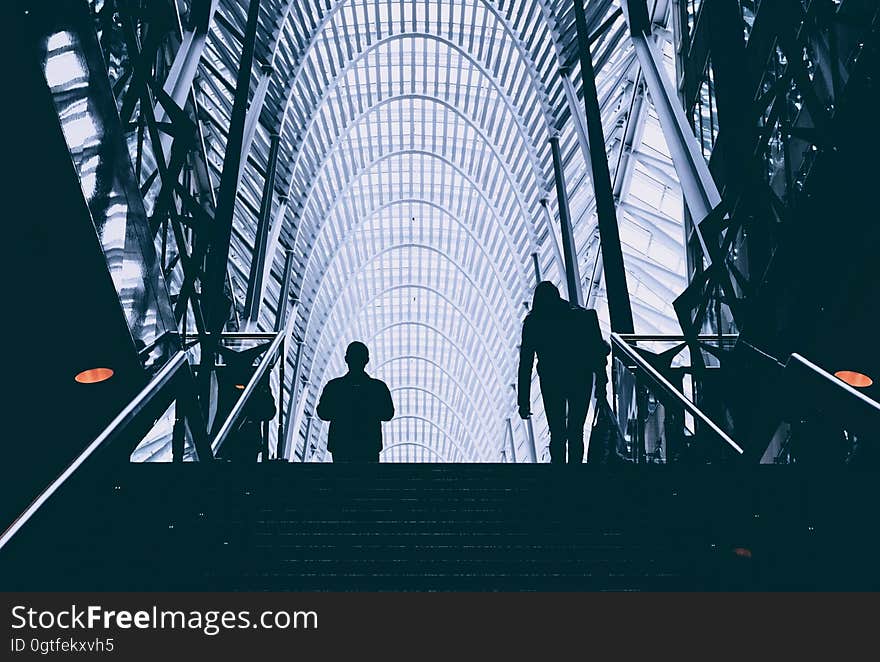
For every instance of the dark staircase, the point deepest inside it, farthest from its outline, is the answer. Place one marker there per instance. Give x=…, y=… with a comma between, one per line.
x=430, y=527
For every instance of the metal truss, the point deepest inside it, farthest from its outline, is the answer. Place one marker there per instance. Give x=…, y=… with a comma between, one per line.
x=794, y=74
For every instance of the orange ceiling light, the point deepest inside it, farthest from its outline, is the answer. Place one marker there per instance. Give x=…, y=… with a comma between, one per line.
x=854, y=378
x=94, y=375
x=240, y=387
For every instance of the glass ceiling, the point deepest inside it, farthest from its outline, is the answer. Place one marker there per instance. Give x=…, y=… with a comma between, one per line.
x=413, y=164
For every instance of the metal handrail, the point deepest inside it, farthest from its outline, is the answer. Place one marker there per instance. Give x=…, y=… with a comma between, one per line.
x=132, y=410
x=826, y=377
x=190, y=341
x=248, y=335
x=249, y=389
x=661, y=337
x=145, y=351
x=835, y=382
x=769, y=359
x=664, y=384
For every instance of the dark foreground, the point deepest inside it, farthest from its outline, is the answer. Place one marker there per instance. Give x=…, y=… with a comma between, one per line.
x=451, y=527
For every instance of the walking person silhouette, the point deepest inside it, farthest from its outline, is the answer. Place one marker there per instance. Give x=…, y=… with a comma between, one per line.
x=570, y=350
x=355, y=404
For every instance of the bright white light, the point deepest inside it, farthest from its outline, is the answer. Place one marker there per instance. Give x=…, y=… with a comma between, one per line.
x=63, y=69
x=59, y=40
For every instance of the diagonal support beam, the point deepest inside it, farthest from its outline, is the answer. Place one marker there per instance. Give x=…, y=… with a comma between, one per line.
x=619, y=308
x=218, y=253
x=254, y=298
x=700, y=192
x=284, y=295
x=569, y=253
x=178, y=83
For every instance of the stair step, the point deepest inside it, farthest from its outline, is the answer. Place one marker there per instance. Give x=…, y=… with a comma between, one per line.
x=414, y=527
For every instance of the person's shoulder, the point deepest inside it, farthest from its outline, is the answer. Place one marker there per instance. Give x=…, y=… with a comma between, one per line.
x=378, y=383
x=583, y=312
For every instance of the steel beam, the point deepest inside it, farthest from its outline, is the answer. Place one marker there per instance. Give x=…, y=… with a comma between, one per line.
x=254, y=299
x=572, y=274
x=255, y=109
x=537, y=265
x=580, y=126
x=700, y=192
x=284, y=296
x=530, y=431
x=619, y=308
x=306, y=440
x=293, y=408
x=272, y=246
x=509, y=435
x=178, y=83
x=218, y=254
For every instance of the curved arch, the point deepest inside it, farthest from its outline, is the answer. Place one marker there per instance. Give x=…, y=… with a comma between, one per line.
x=414, y=400
x=414, y=443
x=327, y=316
x=446, y=435
x=340, y=137
x=425, y=325
x=444, y=371
x=511, y=108
x=428, y=203
x=452, y=344
x=499, y=325
x=431, y=394
x=319, y=28
x=428, y=155
x=345, y=323
x=466, y=368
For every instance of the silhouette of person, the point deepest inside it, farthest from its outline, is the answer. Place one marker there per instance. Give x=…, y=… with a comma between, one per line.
x=355, y=404
x=570, y=350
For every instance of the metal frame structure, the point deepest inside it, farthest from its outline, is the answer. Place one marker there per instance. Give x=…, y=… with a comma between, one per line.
x=330, y=153
x=793, y=70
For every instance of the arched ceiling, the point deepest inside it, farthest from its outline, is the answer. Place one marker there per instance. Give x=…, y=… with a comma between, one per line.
x=413, y=167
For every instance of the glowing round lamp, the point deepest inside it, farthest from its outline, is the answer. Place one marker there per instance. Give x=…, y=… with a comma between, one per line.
x=94, y=375
x=853, y=378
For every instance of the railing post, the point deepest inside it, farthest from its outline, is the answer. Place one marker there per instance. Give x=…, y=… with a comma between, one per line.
x=306, y=440
x=530, y=432
x=291, y=418
x=641, y=418
x=282, y=360
x=178, y=435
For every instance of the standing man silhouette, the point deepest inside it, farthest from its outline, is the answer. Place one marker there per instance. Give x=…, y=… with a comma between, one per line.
x=355, y=404
x=570, y=350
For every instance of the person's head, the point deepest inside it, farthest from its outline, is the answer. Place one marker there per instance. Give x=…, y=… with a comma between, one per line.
x=357, y=356
x=546, y=297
